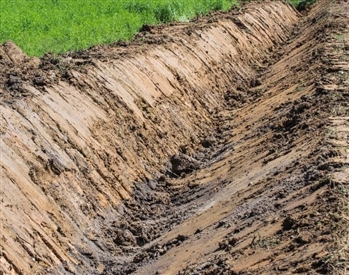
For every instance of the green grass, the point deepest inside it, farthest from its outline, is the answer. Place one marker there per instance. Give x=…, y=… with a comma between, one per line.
x=295, y=2
x=302, y=4
x=59, y=26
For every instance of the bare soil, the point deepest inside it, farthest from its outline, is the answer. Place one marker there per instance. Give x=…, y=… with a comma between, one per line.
x=218, y=146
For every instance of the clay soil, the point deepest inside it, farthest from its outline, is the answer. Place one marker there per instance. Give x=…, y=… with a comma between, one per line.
x=218, y=146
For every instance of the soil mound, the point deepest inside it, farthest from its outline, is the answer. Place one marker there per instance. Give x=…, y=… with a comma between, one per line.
x=11, y=54
x=212, y=147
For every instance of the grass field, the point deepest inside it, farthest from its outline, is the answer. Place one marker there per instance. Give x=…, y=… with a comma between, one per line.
x=58, y=26
x=40, y=26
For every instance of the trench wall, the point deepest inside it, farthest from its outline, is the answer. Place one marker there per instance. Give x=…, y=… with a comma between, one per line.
x=71, y=149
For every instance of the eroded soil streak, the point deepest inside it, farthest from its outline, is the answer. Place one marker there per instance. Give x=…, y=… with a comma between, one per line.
x=218, y=146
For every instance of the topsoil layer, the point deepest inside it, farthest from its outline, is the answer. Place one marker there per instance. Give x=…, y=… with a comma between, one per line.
x=218, y=146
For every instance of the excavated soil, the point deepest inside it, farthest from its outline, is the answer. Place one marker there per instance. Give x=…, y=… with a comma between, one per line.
x=218, y=146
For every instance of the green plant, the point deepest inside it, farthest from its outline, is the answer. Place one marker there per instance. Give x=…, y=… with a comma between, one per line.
x=303, y=4
x=339, y=37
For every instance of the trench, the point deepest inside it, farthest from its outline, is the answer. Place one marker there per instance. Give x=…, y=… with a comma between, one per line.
x=120, y=159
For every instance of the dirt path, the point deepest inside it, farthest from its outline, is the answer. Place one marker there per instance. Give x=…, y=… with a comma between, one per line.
x=214, y=147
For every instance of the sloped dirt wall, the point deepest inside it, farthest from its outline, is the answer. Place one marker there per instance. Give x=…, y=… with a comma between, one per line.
x=79, y=130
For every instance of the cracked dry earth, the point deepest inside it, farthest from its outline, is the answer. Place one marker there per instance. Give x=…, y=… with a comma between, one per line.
x=218, y=146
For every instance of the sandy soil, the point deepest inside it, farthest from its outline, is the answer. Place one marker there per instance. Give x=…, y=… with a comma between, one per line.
x=218, y=146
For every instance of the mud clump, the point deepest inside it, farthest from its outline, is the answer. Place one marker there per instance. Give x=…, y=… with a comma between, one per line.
x=182, y=164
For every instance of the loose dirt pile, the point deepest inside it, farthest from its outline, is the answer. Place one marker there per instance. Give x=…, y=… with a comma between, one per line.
x=218, y=146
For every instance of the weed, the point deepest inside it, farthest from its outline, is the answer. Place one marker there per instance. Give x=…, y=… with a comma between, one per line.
x=303, y=4
x=339, y=37
x=339, y=110
x=300, y=88
x=345, y=57
x=267, y=242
